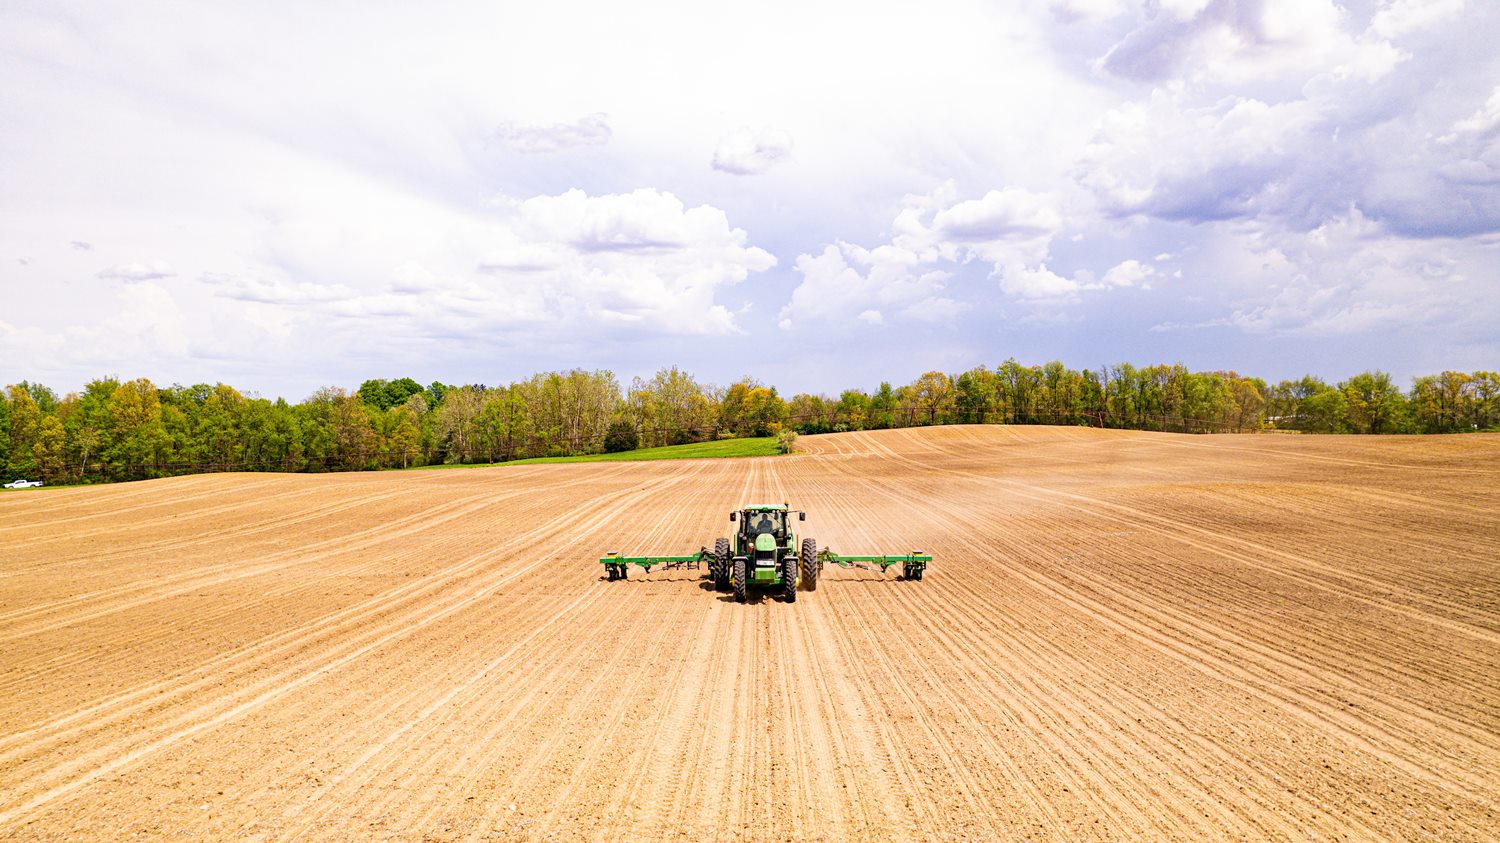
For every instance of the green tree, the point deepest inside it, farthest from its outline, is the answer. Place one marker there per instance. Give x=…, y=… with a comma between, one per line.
x=49, y=448
x=672, y=408
x=46, y=399
x=1248, y=397
x=220, y=431
x=732, y=406
x=852, y=410
x=973, y=394
x=405, y=434
x=25, y=425
x=1375, y=405
x=621, y=437
x=87, y=420
x=383, y=394
x=455, y=422
x=1485, y=408
x=339, y=430
x=136, y=434
x=882, y=407
x=4, y=434
x=372, y=392
x=1443, y=403
x=1017, y=389
x=765, y=412
x=931, y=393
x=1324, y=412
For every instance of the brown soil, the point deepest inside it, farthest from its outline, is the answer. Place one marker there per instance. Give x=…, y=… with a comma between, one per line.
x=1123, y=636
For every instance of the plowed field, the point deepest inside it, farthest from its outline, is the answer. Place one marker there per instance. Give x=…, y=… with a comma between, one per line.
x=1123, y=636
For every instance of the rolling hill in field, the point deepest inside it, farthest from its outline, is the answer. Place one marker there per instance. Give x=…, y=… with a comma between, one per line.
x=1123, y=635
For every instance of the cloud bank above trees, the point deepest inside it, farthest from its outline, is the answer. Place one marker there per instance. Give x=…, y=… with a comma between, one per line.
x=287, y=198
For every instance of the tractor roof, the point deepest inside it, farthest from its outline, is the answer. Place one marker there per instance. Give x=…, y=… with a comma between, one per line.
x=765, y=507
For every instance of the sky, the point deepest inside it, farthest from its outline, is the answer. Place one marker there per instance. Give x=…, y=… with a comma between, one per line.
x=283, y=196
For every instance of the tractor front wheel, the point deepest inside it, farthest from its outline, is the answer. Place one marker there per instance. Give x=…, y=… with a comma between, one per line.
x=789, y=565
x=737, y=580
x=810, y=564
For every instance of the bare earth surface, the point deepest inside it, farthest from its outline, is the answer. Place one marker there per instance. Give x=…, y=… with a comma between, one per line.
x=1122, y=636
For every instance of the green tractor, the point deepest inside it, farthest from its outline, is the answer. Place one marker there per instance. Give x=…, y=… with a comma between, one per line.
x=765, y=553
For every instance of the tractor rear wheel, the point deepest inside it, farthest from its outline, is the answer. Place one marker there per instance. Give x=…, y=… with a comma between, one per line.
x=720, y=568
x=610, y=570
x=737, y=580
x=789, y=566
x=810, y=564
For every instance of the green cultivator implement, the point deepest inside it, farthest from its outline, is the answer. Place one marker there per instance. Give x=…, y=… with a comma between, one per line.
x=765, y=553
x=913, y=565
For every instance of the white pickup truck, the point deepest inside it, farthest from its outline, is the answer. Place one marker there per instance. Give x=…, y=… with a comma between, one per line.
x=22, y=484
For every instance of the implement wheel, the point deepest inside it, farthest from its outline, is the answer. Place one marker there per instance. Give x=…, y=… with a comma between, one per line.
x=720, y=569
x=810, y=564
x=737, y=581
x=789, y=566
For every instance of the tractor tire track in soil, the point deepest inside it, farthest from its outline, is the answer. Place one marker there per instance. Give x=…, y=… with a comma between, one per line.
x=1123, y=636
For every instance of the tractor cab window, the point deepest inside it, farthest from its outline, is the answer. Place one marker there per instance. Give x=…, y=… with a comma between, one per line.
x=765, y=522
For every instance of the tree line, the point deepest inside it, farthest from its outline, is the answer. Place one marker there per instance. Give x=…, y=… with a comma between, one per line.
x=122, y=430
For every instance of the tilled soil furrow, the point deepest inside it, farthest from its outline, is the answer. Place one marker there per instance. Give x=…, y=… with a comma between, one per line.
x=1107, y=511
x=1381, y=726
x=19, y=525
x=219, y=574
x=523, y=670
x=1081, y=764
x=66, y=778
x=1302, y=705
x=261, y=651
x=605, y=705
x=1415, y=605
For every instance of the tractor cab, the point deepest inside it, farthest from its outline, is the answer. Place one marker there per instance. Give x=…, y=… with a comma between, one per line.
x=759, y=520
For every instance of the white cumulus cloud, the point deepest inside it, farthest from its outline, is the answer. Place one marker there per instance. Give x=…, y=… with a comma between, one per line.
x=274, y=291
x=747, y=151
x=134, y=272
x=1037, y=282
x=1089, y=10
x=1483, y=120
x=1006, y=214
x=590, y=130
x=1175, y=160
x=1130, y=273
x=1403, y=17
x=1238, y=42
x=844, y=280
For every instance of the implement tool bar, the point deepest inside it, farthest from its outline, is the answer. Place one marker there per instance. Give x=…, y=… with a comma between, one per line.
x=649, y=562
x=916, y=557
